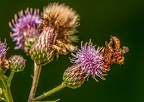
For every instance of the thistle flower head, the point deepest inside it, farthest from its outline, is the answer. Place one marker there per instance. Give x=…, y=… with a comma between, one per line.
x=73, y=77
x=24, y=28
x=41, y=51
x=59, y=22
x=90, y=59
x=62, y=20
x=17, y=63
x=3, y=49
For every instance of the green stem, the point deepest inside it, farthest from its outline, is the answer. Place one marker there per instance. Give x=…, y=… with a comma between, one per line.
x=7, y=91
x=10, y=78
x=37, y=71
x=54, y=90
x=48, y=101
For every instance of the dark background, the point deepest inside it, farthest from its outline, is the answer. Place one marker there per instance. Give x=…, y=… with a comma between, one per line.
x=99, y=20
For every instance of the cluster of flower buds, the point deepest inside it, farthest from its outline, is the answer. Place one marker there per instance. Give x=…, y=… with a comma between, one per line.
x=93, y=61
x=16, y=62
x=46, y=35
x=53, y=33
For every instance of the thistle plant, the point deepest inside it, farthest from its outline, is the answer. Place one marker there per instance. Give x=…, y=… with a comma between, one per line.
x=44, y=35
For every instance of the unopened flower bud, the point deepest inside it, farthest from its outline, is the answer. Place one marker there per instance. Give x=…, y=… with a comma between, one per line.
x=17, y=63
x=41, y=52
x=73, y=77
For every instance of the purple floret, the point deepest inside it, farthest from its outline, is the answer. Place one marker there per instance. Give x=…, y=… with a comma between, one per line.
x=3, y=49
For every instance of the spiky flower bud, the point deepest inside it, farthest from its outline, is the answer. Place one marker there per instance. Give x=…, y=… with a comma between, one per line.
x=17, y=63
x=57, y=30
x=24, y=28
x=73, y=77
x=90, y=60
x=41, y=52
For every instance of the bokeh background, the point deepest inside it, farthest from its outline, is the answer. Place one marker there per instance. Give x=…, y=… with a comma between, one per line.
x=99, y=20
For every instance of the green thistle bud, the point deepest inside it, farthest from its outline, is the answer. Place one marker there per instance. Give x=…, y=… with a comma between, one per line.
x=17, y=63
x=41, y=52
x=73, y=77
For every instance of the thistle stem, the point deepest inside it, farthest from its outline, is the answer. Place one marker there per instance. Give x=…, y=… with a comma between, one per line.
x=10, y=78
x=48, y=101
x=37, y=71
x=54, y=90
x=7, y=91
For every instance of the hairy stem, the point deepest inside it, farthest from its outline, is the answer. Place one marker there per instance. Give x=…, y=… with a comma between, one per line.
x=54, y=90
x=37, y=71
x=7, y=91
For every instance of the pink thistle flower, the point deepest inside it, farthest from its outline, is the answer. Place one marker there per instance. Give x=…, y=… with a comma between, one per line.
x=24, y=28
x=90, y=59
x=4, y=63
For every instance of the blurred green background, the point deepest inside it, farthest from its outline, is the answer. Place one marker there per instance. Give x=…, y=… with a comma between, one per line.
x=99, y=20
